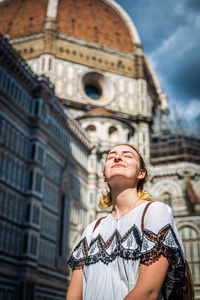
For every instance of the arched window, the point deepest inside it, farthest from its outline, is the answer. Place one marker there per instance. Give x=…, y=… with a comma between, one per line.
x=113, y=134
x=190, y=239
x=166, y=198
x=91, y=129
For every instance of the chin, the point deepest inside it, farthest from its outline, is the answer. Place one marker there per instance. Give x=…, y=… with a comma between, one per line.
x=116, y=177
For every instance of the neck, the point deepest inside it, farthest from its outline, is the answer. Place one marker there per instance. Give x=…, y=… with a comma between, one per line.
x=123, y=200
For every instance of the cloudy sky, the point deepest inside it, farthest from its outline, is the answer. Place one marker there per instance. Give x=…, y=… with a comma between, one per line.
x=170, y=35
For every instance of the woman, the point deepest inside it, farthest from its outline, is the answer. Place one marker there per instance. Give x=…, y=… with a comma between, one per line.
x=117, y=259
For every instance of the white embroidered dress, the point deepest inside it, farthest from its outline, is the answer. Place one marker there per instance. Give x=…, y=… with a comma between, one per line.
x=111, y=255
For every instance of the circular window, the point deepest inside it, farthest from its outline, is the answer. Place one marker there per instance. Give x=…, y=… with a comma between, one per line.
x=97, y=87
x=93, y=91
x=91, y=129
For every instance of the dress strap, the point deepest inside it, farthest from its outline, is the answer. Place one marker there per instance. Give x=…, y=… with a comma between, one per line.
x=97, y=223
x=143, y=215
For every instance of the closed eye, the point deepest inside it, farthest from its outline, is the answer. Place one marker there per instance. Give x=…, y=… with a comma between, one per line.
x=110, y=157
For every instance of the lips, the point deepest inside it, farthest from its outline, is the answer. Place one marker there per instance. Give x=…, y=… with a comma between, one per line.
x=118, y=166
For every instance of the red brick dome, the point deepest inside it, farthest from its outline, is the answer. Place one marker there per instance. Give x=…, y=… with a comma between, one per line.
x=90, y=20
x=20, y=18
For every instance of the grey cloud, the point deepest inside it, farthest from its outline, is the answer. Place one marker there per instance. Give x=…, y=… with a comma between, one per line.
x=169, y=31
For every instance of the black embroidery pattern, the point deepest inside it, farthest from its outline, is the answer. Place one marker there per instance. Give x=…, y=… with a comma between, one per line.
x=99, y=250
x=148, y=248
x=115, y=244
x=166, y=244
x=78, y=257
x=160, y=247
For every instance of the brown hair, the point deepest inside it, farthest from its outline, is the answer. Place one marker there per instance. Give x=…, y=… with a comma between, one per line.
x=106, y=198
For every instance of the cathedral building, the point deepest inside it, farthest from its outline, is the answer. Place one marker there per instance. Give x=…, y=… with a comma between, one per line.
x=91, y=52
x=43, y=170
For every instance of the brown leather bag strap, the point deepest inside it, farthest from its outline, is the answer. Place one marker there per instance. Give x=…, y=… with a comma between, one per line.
x=97, y=223
x=189, y=286
x=143, y=215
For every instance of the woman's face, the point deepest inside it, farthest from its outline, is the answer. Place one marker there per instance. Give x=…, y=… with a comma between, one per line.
x=122, y=163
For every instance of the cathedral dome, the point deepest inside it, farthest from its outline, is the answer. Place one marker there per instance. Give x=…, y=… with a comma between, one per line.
x=21, y=18
x=100, y=21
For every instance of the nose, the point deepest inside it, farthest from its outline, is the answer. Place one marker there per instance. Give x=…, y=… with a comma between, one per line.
x=118, y=157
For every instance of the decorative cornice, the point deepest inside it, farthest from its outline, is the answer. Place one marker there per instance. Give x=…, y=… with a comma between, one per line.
x=18, y=66
x=180, y=169
x=78, y=131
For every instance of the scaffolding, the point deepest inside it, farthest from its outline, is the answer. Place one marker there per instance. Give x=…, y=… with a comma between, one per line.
x=170, y=148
